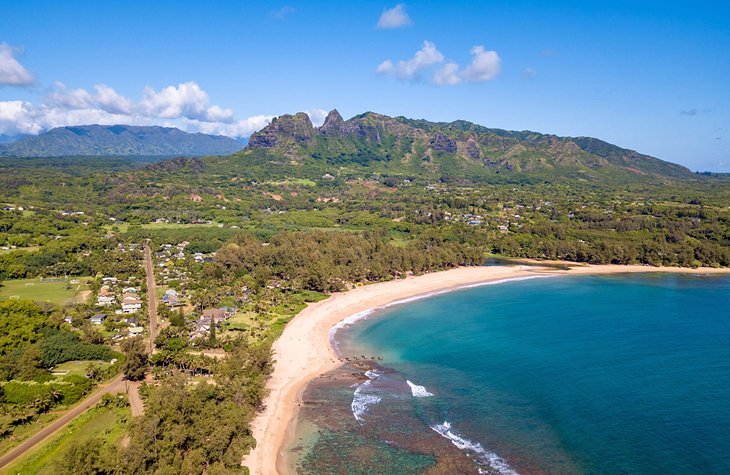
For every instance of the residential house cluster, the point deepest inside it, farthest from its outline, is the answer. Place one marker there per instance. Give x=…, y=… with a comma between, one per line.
x=108, y=296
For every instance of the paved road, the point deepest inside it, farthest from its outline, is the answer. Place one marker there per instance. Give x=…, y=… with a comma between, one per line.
x=151, y=297
x=114, y=386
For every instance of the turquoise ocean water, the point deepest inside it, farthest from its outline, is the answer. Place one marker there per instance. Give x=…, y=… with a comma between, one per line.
x=614, y=374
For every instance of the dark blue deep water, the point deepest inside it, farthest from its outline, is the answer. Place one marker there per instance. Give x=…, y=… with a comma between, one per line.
x=590, y=374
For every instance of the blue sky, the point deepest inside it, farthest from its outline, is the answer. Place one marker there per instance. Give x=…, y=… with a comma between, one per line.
x=652, y=76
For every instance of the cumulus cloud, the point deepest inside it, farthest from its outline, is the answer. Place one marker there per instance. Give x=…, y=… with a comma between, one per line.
x=485, y=66
x=12, y=73
x=447, y=75
x=186, y=106
x=395, y=17
x=184, y=100
x=410, y=69
x=386, y=67
x=317, y=116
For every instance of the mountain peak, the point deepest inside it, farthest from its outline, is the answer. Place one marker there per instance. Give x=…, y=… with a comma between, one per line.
x=119, y=140
x=283, y=130
x=334, y=124
x=459, y=148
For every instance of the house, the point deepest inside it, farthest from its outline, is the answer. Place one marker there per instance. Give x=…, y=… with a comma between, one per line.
x=129, y=290
x=131, y=305
x=136, y=331
x=216, y=314
x=106, y=300
x=98, y=319
x=106, y=290
x=67, y=319
x=201, y=329
x=171, y=298
x=109, y=280
x=219, y=314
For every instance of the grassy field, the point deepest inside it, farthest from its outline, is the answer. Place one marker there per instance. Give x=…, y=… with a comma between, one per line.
x=33, y=289
x=78, y=368
x=25, y=431
x=99, y=423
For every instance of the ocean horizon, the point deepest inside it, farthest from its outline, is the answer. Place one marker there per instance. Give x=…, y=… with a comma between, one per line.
x=570, y=374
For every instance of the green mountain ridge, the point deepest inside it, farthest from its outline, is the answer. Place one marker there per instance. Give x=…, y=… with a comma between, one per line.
x=454, y=150
x=119, y=140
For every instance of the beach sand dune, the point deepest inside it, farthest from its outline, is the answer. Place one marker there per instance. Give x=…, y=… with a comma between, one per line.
x=303, y=351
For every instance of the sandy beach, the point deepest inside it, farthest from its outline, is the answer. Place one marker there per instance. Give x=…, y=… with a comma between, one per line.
x=303, y=351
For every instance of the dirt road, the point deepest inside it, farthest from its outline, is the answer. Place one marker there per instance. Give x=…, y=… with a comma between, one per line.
x=151, y=297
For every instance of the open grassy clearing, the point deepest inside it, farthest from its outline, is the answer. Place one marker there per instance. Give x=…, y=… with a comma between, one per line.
x=60, y=292
x=78, y=368
x=99, y=423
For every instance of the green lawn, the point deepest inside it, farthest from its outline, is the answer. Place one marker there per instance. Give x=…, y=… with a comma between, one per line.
x=33, y=289
x=99, y=423
x=78, y=368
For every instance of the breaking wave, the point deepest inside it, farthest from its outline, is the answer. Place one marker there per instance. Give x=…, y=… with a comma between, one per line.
x=490, y=458
x=361, y=401
x=418, y=391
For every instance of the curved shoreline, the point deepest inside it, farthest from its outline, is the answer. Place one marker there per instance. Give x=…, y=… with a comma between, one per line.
x=303, y=351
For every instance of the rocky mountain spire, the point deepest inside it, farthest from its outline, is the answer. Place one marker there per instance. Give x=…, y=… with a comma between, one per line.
x=296, y=128
x=334, y=124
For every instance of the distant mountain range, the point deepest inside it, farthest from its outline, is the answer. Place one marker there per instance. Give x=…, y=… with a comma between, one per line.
x=452, y=150
x=118, y=140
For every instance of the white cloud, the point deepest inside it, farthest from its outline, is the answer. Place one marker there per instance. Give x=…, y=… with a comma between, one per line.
x=239, y=128
x=186, y=106
x=448, y=75
x=386, y=67
x=317, y=116
x=185, y=100
x=66, y=98
x=425, y=57
x=395, y=17
x=111, y=101
x=12, y=73
x=485, y=66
